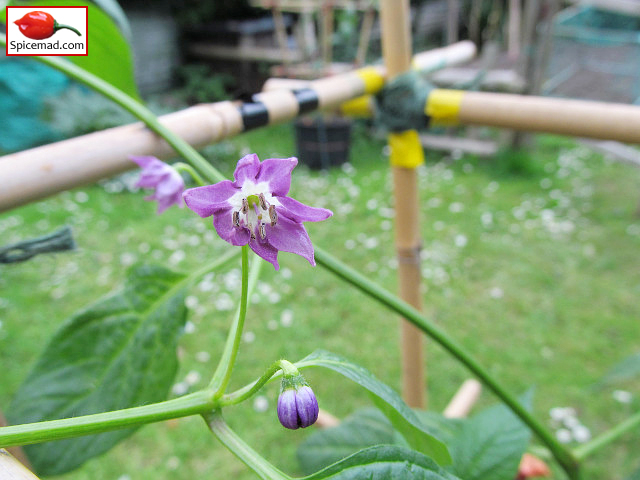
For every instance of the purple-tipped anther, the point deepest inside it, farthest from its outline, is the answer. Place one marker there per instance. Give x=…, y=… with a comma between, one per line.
x=297, y=408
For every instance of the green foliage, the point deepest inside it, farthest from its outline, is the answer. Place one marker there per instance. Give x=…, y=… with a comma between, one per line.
x=77, y=112
x=202, y=85
x=393, y=406
x=627, y=369
x=362, y=429
x=382, y=463
x=516, y=162
x=118, y=353
x=489, y=446
x=635, y=475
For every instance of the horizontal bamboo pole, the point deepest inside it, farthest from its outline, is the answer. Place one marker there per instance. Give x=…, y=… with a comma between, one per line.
x=464, y=399
x=12, y=469
x=580, y=118
x=39, y=172
x=35, y=174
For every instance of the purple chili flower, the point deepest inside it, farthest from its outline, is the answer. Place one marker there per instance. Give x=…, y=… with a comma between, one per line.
x=297, y=407
x=255, y=209
x=165, y=179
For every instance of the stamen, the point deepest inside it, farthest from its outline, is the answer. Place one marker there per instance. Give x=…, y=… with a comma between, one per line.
x=236, y=218
x=263, y=201
x=245, y=206
x=273, y=215
x=263, y=231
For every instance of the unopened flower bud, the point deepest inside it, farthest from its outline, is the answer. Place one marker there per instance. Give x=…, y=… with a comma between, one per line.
x=297, y=404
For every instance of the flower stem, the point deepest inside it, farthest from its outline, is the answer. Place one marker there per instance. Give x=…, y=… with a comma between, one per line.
x=185, y=167
x=563, y=455
x=607, y=437
x=240, y=449
x=248, y=391
x=194, y=403
x=137, y=109
x=222, y=374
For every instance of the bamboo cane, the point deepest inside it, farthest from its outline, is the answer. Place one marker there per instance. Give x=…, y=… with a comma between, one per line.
x=396, y=49
x=37, y=173
x=580, y=118
x=12, y=469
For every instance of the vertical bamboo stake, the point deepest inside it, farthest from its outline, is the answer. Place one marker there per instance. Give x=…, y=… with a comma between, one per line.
x=396, y=49
x=453, y=12
x=365, y=36
x=513, y=37
x=327, y=34
x=281, y=34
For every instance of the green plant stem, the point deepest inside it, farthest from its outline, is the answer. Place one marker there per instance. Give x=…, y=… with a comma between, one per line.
x=185, y=167
x=248, y=391
x=583, y=451
x=240, y=449
x=222, y=374
x=196, y=403
x=563, y=455
x=192, y=404
x=137, y=109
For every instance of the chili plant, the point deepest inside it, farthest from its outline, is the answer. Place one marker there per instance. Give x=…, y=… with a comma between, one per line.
x=71, y=394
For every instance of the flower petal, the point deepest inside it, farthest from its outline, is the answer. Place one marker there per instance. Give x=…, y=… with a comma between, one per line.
x=152, y=174
x=265, y=251
x=287, y=411
x=223, y=223
x=247, y=169
x=143, y=161
x=290, y=236
x=206, y=200
x=306, y=406
x=277, y=173
x=299, y=212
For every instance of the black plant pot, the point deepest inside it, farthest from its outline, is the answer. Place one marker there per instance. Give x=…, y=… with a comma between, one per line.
x=323, y=143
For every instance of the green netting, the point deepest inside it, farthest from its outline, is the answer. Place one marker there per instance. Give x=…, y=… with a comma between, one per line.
x=23, y=86
x=598, y=27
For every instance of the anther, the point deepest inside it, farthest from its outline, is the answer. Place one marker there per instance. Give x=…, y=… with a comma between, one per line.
x=273, y=215
x=263, y=201
x=236, y=218
x=245, y=206
x=263, y=231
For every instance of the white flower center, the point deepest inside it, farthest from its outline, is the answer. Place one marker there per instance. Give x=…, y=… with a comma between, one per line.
x=253, y=208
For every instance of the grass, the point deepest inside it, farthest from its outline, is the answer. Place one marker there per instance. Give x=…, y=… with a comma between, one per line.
x=530, y=261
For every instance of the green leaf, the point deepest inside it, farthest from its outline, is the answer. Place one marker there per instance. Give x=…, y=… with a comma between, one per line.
x=364, y=428
x=113, y=9
x=109, y=54
x=402, y=414
x=118, y=353
x=384, y=462
x=627, y=369
x=489, y=446
x=634, y=476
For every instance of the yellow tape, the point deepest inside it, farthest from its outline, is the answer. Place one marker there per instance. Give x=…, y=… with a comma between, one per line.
x=406, y=149
x=372, y=78
x=443, y=106
x=358, y=107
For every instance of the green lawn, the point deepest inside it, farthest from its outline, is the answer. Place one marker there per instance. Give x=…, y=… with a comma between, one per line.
x=530, y=261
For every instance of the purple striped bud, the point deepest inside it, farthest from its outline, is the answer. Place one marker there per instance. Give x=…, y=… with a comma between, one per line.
x=297, y=404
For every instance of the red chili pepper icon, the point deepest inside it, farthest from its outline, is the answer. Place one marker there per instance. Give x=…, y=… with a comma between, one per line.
x=39, y=25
